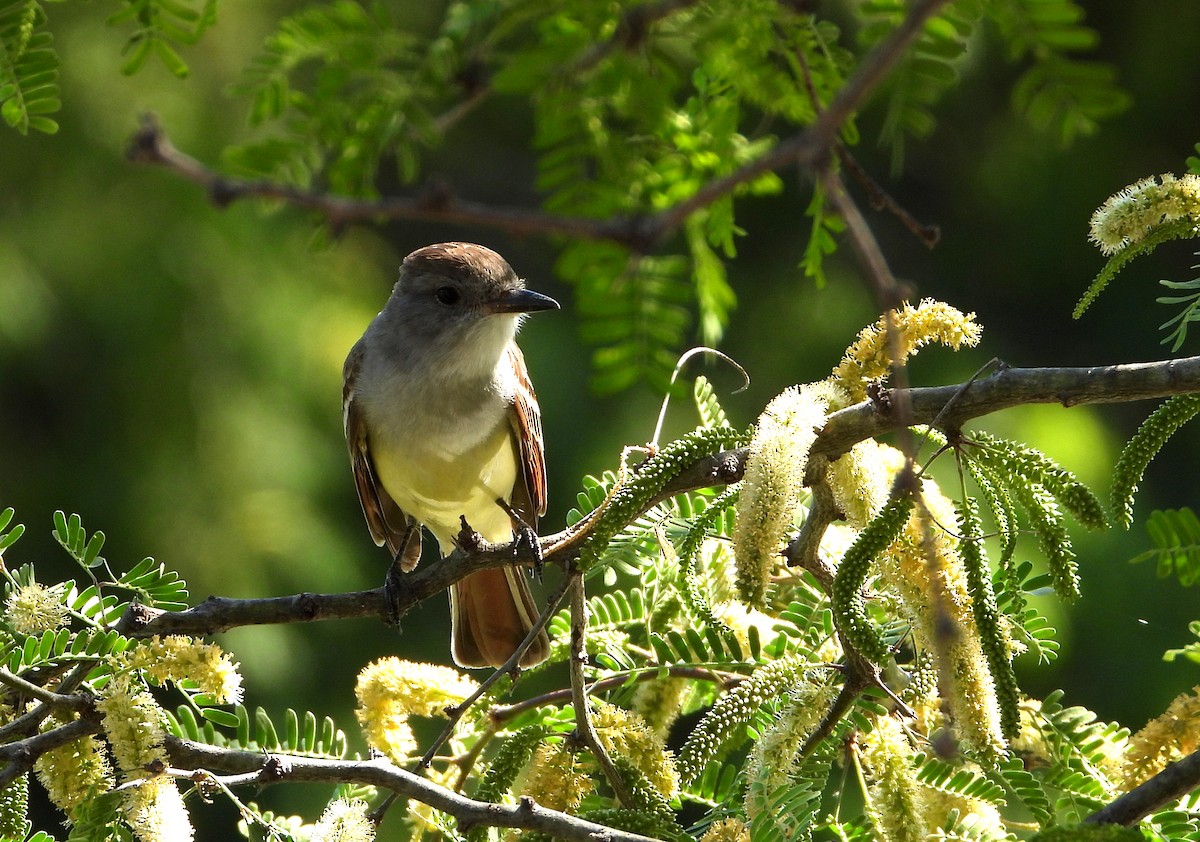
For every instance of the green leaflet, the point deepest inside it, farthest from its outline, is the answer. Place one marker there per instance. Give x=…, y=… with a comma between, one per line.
x=1175, y=534
x=28, y=68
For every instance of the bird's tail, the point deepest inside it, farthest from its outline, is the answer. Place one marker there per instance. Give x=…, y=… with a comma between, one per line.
x=491, y=612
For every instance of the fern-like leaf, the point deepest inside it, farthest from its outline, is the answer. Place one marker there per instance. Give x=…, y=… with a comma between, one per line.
x=1188, y=314
x=1027, y=789
x=707, y=404
x=28, y=68
x=1175, y=534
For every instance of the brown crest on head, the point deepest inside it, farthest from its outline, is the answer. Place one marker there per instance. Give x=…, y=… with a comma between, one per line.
x=459, y=261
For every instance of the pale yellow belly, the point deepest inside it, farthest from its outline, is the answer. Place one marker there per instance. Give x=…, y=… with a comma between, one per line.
x=437, y=486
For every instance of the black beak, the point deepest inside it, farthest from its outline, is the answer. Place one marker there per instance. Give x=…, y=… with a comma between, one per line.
x=522, y=301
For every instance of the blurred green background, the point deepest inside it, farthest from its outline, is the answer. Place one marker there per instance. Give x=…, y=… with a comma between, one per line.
x=171, y=371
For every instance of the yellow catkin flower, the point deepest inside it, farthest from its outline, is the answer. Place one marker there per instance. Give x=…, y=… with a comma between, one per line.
x=415, y=688
x=869, y=359
x=772, y=761
x=387, y=730
x=390, y=690
x=34, y=608
x=861, y=480
x=176, y=658
x=1164, y=740
x=933, y=591
x=626, y=734
x=727, y=830
x=1136, y=211
x=134, y=725
x=344, y=820
x=155, y=812
x=72, y=773
x=897, y=805
x=985, y=819
x=773, y=484
x=659, y=701
x=555, y=778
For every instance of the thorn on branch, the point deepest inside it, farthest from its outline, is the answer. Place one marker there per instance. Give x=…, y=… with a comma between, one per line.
x=146, y=145
x=275, y=769
x=224, y=192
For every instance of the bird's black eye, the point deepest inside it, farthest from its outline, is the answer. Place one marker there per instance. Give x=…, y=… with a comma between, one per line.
x=446, y=295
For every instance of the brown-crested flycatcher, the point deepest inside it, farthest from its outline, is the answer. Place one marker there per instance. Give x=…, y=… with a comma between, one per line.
x=441, y=421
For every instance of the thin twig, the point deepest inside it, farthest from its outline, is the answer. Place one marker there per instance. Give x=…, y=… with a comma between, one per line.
x=809, y=147
x=20, y=755
x=584, y=728
x=381, y=773
x=502, y=713
x=55, y=700
x=456, y=713
x=1169, y=785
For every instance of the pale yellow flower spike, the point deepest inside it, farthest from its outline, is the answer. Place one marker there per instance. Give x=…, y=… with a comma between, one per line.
x=896, y=801
x=727, y=830
x=155, y=812
x=344, y=820
x=415, y=688
x=175, y=658
x=34, y=608
x=72, y=773
x=929, y=587
x=772, y=761
x=869, y=359
x=134, y=724
x=774, y=480
x=1164, y=740
x=627, y=735
x=1137, y=211
x=390, y=690
x=861, y=481
x=555, y=778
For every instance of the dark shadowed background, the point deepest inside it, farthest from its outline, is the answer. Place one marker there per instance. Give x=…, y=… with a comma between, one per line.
x=172, y=372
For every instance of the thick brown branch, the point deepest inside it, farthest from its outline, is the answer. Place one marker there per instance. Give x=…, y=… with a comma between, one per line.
x=381, y=773
x=951, y=406
x=1169, y=785
x=19, y=756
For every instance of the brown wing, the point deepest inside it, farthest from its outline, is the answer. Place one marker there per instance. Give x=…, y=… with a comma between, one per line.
x=388, y=524
x=529, y=495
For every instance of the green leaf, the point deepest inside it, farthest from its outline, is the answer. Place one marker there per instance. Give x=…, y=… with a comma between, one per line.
x=220, y=717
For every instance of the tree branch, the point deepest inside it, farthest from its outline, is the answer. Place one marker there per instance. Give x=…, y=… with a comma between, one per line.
x=381, y=773
x=1171, y=784
x=951, y=406
x=642, y=233
x=585, y=730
